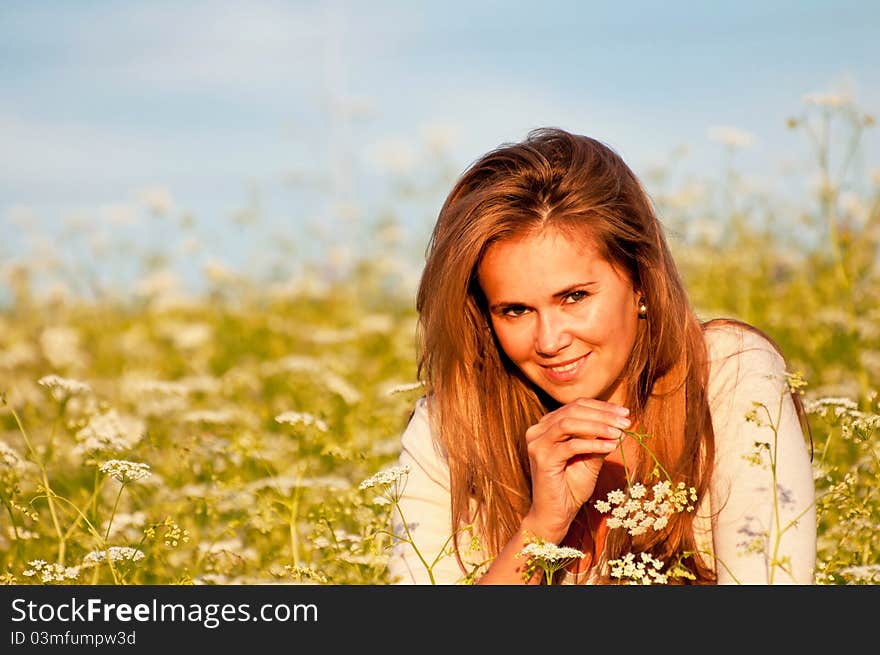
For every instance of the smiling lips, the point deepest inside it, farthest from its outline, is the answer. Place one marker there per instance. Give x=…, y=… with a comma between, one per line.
x=566, y=371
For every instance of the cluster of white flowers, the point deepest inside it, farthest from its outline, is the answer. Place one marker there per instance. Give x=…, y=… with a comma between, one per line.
x=866, y=574
x=547, y=557
x=114, y=554
x=646, y=570
x=831, y=406
x=63, y=388
x=51, y=572
x=638, y=514
x=550, y=553
x=386, y=478
x=110, y=431
x=403, y=388
x=304, y=418
x=854, y=423
x=126, y=471
x=9, y=458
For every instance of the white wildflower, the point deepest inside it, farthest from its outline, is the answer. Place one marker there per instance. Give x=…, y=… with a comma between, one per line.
x=115, y=554
x=548, y=557
x=866, y=574
x=50, y=573
x=646, y=570
x=109, y=431
x=639, y=513
x=838, y=406
x=126, y=471
x=63, y=388
x=638, y=490
x=550, y=552
x=386, y=478
x=9, y=458
x=302, y=418
x=403, y=388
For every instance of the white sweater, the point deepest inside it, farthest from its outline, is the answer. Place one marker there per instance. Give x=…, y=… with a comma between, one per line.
x=739, y=513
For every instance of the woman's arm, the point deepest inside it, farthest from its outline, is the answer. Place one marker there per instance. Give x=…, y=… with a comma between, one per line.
x=423, y=518
x=763, y=495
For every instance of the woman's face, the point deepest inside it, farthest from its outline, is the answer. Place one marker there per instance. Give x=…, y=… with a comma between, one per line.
x=563, y=314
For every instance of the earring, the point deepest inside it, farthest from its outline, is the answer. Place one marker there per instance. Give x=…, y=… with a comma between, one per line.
x=643, y=308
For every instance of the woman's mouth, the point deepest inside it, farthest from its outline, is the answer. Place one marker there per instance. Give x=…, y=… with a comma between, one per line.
x=565, y=371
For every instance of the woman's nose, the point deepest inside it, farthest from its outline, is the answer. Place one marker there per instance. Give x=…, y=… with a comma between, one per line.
x=552, y=334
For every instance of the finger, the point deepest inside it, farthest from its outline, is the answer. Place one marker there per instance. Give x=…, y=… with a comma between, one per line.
x=595, y=403
x=555, y=457
x=602, y=428
x=571, y=428
x=586, y=407
x=578, y=447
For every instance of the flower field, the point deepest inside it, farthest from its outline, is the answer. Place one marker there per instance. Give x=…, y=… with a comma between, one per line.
x=223, y=438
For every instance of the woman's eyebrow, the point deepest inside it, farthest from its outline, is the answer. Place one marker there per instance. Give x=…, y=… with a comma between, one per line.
x=577, y=286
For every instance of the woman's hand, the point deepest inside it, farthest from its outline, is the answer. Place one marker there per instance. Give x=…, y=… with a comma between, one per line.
x=567, y=448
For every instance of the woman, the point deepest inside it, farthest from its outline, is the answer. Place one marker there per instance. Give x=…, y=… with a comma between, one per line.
x=566, y=375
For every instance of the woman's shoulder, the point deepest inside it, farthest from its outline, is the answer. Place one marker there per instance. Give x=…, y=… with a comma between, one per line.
x=728, y=338
x=419, y=437
x=737, y=350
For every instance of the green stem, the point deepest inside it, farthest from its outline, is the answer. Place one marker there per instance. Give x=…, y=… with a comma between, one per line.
x=44, y=478
x=411, y=542
x=294, y=511
x=113, y=513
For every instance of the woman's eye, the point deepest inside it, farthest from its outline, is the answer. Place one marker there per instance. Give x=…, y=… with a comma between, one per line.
x=576, y=296
x=514, y=310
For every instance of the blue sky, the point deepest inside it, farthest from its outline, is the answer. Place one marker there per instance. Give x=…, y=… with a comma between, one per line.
x=300, y=108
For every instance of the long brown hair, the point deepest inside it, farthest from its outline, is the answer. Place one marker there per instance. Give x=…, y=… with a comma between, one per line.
x=481, y=404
